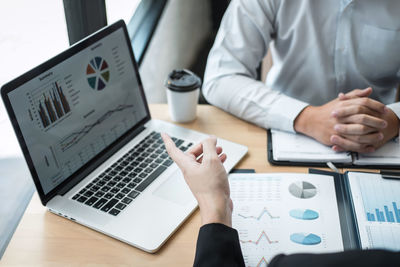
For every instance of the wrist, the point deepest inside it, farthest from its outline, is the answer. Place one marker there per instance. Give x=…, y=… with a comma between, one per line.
x=215, y=210
x=393, y=124
x=302, y=121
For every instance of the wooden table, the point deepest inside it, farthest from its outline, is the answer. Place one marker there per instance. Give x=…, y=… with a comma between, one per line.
x=43, y=238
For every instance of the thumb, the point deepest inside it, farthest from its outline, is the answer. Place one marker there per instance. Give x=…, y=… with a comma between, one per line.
x=356, y=93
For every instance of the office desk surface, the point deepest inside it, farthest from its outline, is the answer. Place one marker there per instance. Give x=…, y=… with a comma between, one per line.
x=43, y=238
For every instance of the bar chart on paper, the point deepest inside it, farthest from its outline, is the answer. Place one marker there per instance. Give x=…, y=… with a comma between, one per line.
x=377, y=203
x=381, y=200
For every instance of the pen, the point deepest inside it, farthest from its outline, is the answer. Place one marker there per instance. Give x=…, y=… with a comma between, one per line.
x=390, y=175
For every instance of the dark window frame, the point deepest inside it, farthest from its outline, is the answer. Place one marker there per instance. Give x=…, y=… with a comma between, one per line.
x=85, y=17
x=143, y=24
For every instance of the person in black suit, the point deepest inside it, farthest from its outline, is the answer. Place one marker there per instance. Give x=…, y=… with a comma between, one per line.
x=218, y=243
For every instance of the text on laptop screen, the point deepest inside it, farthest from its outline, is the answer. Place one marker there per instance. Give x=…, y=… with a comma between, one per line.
x=72, y=112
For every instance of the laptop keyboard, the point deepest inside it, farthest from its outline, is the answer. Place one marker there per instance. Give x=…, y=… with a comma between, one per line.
x=117, y=187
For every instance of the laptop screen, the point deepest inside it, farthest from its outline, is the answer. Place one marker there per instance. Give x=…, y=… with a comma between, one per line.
x=77, y=108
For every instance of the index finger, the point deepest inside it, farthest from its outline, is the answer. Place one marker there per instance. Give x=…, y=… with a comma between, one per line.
x=176, y=154
x=210, y=148
x=353, y=110
x=370, y=103
x=356, y=93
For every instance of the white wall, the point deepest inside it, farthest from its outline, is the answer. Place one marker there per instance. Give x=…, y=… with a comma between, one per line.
x=182, y=28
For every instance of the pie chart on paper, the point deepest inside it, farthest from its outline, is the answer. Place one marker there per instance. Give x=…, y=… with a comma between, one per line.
x=305, y=239
x=98, y=73
x=304, y=214
x=302, y=189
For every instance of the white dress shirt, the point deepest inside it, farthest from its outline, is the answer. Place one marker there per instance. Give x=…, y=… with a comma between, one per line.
x=319, y=48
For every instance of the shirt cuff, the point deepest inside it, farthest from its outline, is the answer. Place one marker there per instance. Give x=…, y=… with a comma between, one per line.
x=395, y=107
x=283, y=112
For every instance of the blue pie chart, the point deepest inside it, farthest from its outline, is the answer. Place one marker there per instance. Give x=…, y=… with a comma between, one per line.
x=304, y=214
x=307, y=239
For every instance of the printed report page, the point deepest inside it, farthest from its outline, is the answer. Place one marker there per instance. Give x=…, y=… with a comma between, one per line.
x=377, y=206
x=284, y=213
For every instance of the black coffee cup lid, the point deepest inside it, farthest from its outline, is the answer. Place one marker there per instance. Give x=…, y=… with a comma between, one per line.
x=182, y=80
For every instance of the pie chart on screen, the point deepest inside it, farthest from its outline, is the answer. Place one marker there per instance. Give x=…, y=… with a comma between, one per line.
x=98, y=73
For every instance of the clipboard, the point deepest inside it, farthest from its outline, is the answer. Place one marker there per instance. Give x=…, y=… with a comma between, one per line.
x=348, y=221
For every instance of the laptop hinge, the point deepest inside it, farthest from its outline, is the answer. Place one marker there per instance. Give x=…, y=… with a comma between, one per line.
x=97, y=162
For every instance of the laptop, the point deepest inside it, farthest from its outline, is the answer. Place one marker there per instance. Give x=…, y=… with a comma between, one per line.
x=94, y=153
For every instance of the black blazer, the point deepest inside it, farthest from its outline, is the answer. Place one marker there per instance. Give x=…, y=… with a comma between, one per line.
x=218, y=245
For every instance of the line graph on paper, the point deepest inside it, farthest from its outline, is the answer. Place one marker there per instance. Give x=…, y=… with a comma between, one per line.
x=259, y=245
x=264, y=211
x=257, y=204
x=262, y=263
x=259, y=239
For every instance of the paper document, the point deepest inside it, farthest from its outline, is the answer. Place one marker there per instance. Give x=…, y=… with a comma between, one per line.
x=284, y=213
x=389, y=153
x=300, y=148
x=377, y=207
x=297, y=147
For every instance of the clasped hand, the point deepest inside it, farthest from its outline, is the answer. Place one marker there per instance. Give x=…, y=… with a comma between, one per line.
x=351, y=122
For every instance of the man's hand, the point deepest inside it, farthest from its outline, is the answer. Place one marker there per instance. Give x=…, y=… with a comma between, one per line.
x=358, y=117
x=207, y=179
x=318, y=122
x=349, y=119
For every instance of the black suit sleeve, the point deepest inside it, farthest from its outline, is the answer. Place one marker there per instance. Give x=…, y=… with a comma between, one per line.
x=361, y=258
x=218, y=245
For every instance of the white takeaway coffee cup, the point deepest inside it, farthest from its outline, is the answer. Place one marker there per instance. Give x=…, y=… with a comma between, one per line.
x=183, y=88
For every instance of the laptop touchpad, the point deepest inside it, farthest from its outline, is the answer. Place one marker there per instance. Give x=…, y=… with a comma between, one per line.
x=175, y=190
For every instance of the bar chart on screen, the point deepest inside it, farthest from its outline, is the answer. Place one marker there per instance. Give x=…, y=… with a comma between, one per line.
x=50, y=102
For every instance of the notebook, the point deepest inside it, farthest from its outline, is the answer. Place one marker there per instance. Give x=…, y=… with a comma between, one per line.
x=296, y=149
